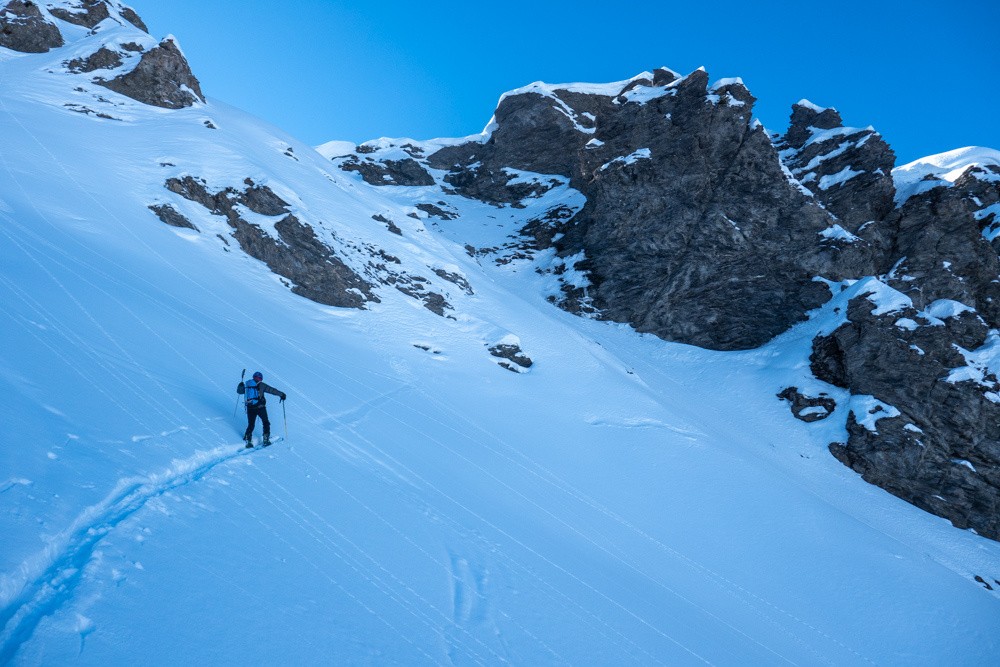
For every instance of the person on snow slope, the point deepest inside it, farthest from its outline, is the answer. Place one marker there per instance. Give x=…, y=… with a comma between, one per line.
x=256, y=402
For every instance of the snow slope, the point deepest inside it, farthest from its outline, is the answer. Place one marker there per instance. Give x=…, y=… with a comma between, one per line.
x=624, y=501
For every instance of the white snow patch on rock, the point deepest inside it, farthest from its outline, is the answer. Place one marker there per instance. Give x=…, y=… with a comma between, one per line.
x=842, y=176
x=868, y=410
x=886, y=299
x=838, y=233
x=632, y=158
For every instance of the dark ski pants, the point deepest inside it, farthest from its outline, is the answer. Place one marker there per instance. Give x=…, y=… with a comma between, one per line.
x=252, y=414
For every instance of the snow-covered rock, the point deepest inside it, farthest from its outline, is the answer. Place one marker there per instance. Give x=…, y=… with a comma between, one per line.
x=24, y=27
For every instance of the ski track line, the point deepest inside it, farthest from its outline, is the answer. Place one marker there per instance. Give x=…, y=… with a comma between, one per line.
x=225, y=342
x=325, y=574
x=486, y=521
x=536, y=553
x=89, y=350
x=71, y=364
x=155, y=291
x=429, y=485
x=99, y=288
x=111, y=215
x=72, y=336
x=89, y=195
x=529, y=573
x=125, y=227
x=50, y=577
x=394, y=593
x=726, y=584
x=407, y=538
x=627, y=564
x=454, y=577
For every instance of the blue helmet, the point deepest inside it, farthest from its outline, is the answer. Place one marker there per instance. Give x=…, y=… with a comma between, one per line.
x=258, y=376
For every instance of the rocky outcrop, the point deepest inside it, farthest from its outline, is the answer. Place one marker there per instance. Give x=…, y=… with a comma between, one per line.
x=705, y=252
x=171, y=216
x=512, y=357
x=89, y=13
x=129, y=15
x=162, y=78
x=389, y=172
x=24, y=28
x=926, y=350
x=927, y=427
x=103, y=58
x=298, y=255
x=848, y=169
x=808, y=408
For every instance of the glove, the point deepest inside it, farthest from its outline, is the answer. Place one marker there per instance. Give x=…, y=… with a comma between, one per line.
x=240, y=388
x=283, y=397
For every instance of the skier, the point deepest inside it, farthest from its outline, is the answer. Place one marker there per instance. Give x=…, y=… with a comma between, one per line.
x=256, y=403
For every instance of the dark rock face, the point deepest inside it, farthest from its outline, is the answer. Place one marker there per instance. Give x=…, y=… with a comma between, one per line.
x=940, y=249
x=170, y=216
x=88, y=13
x=24, y=28
x=317, y=273
x=849, y=170
x=436, y=211
x=389, y=172
x=415, y=287
x=511, y=352
x=457, y=279
x=941, y=451
x=389, y=224
x=103, y=58
x=691, y=229
x=710, y=213
x=129, y=15
x=162, y=79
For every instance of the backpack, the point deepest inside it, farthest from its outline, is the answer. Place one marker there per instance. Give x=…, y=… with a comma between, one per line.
x=252, y=393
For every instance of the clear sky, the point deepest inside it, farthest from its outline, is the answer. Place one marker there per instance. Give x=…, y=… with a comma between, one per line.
x=925, y=74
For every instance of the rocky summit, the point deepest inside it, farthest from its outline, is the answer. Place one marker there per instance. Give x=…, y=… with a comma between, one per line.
x=702, y=227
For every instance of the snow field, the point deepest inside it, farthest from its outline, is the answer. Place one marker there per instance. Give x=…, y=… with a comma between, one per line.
x=627, y=501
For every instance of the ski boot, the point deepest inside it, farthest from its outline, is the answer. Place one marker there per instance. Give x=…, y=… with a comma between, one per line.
x=249, y=443
x=267, y=439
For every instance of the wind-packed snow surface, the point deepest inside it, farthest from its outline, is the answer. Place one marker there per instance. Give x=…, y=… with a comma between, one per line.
x=622, y=501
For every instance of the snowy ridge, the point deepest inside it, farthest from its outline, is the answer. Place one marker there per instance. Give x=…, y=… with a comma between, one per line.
x=550, y=89
x=944, y=169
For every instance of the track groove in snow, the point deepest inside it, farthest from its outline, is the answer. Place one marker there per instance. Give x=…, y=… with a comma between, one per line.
x=48, y=579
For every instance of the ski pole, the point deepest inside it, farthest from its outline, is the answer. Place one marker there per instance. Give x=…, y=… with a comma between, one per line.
x=237, y=406
x=285, y=416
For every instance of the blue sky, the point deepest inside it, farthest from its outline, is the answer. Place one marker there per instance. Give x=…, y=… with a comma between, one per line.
x=925, y=74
